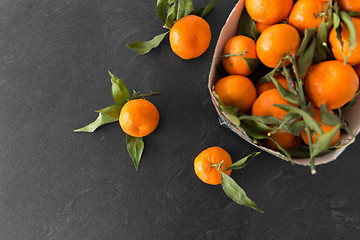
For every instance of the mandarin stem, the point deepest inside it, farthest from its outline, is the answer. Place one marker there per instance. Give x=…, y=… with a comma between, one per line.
x=233, y=55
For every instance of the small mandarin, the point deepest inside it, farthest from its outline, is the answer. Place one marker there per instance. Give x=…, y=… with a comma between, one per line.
x=236, y=90
x=307, y=14
x=205, y=168
x=138, y=118
x=330, y=83
x=275, y=42
x=190, y=37
x=349, y=5
x=237, y=64
x=264, y=104
x=268, y=11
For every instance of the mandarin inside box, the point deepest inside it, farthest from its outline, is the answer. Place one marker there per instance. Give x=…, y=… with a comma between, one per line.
x=230, y=29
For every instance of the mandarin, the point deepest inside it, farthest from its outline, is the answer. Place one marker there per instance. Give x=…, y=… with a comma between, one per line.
x=307, y=14
x=325, y=128
x=275, y=42
x=349, y=5
x=284, y=139
x=235, y=46
x=205, y=167
x=340, y=52
x=190, y=37
x=261, y=26
x=270, y=85
x=236, y=90
x=330, y=83
x=264, y=104
x=268, y=11
x=138, y=118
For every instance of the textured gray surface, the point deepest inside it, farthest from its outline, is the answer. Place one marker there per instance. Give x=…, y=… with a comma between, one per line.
x=56, y=184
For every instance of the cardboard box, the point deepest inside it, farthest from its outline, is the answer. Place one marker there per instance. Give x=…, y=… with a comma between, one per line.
x=230, y=29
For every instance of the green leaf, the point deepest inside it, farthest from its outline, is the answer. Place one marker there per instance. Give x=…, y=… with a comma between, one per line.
x=119, y=91
x=171, y=16
x=283, y=150
x=306, y=116
x=338, y=28
x=301, y=151
x=284, y=92
x=185, y=7
x=256, y=126
x=101, y=120
x=144, y=47
x=254, y=133
x=266, y=78
x=202, y=12
x=161, y=9
x=328, y=118
x=230, y=111
x=295, y=128
x=305, y=42
x=323, y=142
x=265, y=119
x=321, y=41
x=346, y=19
x=247, y=26
x=252, y=63
x=290, y=117
x=306, y=58
x=236, y=193
x=208, y=8
x=135, y=148
x=242, y=162
x=112, y=110
x=354, y=14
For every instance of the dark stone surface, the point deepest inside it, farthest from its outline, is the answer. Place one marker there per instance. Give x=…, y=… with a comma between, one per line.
x=56, y=184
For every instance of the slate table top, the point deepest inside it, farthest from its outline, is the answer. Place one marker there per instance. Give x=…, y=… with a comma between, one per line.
x=56, y=184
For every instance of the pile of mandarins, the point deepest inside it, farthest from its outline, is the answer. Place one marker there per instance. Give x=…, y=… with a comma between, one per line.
x=308, y=66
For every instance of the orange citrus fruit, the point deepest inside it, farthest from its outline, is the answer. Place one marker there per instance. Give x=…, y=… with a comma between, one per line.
x=330, y=83
x=340, y=52
x=349, y=5
x=138, y=118
x=284, y=139
x=236, y=90
x=270, y=85
x=261, y=26
x=264, y=104
x=307, y=14
x=325, y=128
x=205, y=167
x=275, y=42
x=190, y=37
x=238, y=45
x=268, y=11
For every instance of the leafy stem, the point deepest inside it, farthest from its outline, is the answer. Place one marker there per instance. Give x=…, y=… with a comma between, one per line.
x=233, y=55
x=312, y=158
x=137, y=95
x=299, y=83
x=218, y=165
x=169, y=11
